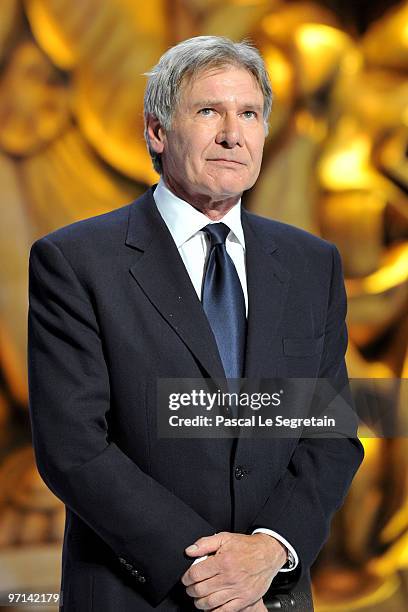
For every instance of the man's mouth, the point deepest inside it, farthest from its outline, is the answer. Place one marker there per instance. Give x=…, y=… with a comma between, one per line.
x=226, y=161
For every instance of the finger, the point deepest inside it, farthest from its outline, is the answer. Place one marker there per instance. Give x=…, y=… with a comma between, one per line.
x=200, y=571
x=206, y=545
x=205, y=587
x=218, y=600
x=198, y=560
x=257, y=606
x=232, y=606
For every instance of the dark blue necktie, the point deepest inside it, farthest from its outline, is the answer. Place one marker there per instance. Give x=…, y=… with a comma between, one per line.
x=223, y=302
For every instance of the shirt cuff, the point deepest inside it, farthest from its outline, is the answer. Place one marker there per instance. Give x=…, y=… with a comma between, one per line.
x=199, y=559
x=293, y=559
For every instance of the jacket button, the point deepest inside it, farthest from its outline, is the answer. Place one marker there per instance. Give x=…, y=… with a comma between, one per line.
x=142, y=579
x=128, y=566
x=135, y=573
x=239, y=472
x=122, y=560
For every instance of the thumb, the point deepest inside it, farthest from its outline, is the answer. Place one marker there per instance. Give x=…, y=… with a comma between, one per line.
x=206, y=545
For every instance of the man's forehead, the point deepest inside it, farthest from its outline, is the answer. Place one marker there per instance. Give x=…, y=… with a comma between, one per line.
x=197, y=83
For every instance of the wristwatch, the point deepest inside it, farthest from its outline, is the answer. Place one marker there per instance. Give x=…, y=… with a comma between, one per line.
x=290, y=563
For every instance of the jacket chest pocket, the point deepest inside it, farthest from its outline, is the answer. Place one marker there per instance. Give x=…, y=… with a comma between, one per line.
x=298, y=357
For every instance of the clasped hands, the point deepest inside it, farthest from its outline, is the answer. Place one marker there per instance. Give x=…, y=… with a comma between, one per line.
x=237, y=573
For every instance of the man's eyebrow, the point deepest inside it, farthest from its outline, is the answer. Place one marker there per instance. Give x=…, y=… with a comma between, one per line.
x=208, y=103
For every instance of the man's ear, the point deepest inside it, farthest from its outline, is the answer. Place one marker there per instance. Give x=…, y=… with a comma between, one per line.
x=155, y=133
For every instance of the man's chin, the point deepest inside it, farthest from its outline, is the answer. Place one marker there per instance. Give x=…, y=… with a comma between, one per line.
x=225, y=190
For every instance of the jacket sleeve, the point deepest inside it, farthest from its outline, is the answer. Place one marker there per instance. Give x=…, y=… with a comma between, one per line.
x=320, y=470
x=69, y=401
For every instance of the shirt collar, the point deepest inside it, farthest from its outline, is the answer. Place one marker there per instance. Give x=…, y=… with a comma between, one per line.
x=183, y=220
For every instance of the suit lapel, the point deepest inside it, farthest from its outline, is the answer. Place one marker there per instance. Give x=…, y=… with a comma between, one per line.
x=162, y=276
x=160, y=272
x=268, y=283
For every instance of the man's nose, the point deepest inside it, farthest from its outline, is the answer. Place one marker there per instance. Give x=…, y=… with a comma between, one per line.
x=230, y=133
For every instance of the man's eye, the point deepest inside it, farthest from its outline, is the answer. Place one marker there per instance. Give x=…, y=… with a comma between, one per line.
x=249, y=114
x=206, y=111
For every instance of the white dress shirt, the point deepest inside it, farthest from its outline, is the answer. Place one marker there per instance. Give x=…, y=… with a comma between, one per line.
x=185, y=224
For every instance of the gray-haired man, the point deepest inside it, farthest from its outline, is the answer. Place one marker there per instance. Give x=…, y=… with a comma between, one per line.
x=184, y=283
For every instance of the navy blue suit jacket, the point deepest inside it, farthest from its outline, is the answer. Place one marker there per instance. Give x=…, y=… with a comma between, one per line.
x=111, y=310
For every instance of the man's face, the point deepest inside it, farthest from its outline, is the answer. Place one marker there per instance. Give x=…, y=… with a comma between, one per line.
x=214, y=147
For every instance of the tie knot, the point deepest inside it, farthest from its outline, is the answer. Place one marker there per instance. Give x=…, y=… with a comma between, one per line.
x=217, y=232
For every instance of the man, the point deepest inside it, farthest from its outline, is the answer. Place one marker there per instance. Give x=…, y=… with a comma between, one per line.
x=184, y=283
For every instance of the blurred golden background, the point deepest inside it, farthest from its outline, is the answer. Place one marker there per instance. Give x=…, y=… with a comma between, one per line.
x=336, y=164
